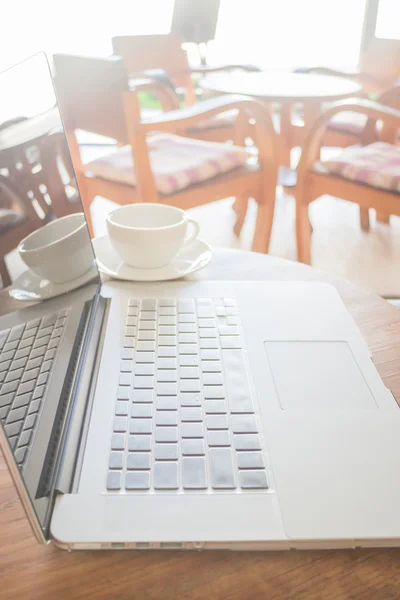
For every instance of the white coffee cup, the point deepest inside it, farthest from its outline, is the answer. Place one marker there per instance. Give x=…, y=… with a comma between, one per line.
x=148, y=236
x=60, y=251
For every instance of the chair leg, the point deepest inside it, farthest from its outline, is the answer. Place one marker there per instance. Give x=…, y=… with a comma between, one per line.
x=263, y=228
x=364, y=219
x=382, y=217
x=4, y=274
x=240, y=207
x=303, y=233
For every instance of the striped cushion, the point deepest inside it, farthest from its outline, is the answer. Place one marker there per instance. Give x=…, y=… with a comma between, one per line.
x=377, y=165
x=177, y=162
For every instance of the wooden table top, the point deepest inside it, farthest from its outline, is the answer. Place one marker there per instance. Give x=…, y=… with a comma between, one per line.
x=29, y=570
x=282, y=87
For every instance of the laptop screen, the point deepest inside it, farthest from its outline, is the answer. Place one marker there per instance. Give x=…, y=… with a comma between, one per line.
x=48, y=279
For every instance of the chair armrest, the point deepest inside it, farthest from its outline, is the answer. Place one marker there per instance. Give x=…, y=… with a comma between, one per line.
x=159, y=87
x=374, y=111
x=189, y=116
x=204, y=69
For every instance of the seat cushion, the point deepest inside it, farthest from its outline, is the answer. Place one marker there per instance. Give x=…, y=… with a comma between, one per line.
x=377, y=165
x=177, y=162
x=348, y=122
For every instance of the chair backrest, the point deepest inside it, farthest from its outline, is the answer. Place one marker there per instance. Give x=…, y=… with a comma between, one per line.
x=90, y=92
x=381, y=60
x=143, y=52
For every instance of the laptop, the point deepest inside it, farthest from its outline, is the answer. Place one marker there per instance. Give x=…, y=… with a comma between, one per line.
x=192, y=414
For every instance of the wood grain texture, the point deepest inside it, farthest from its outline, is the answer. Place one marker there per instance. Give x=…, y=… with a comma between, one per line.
x=31, y=571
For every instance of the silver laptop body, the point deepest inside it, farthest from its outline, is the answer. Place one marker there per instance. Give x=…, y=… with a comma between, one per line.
x=198, y=414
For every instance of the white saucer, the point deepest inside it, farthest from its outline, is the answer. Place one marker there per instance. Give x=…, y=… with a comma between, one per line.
x=191, y=258
x=30, y=286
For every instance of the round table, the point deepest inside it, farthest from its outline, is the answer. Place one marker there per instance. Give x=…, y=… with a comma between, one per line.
x=363, y=574
x=286, y=89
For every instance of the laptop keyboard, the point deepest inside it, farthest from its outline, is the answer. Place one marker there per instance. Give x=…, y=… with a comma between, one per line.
x=27, y=352
x=184, y=415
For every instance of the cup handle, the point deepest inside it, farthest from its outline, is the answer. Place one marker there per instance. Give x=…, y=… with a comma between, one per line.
x=193, y=234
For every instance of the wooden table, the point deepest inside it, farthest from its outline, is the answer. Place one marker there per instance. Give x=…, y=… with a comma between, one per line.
x=286, y=89
x=28, y=570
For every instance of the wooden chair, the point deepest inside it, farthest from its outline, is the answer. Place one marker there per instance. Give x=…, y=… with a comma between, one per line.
x=146, y=52
x=94, y=96
x=314, y=180
x=379, y=70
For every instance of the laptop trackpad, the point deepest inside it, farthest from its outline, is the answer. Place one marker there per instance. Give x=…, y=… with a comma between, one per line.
x=322, y=376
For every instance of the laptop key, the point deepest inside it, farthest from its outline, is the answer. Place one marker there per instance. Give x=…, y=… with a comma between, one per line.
x=214, y=392
x=190, y=399
x=250, y=460
x=188, y=360
x=141, y=426
x=211, y=366
x=16, y=332
x=148, y=304
x=114, y=479
x=34, y=406
x=218, y=438
x=20, y=454
x=244, y=424
x=166, y=452
x=212, y=378
x=189, y=385
x=139, y=443
x=146, y=346
x=118, y=441
x=142, y=411
x=145, y=369
x=253, y=480
x=126, y=366
x=143, y=396
x=217, y=422
x=167, y=403
x=192, y=430
x=122, y=408
x=221, y=468
x=166, y=434
x=143, y=382
x=236, y=381
x=140, y=461
x=189, y=372
x=167, y=375
x=167, y=417
x=6, y=399
x=194, y=473
x=25, y=438
x=191, y=414
x=125, y=379
x=116, y=460
x=166, y=476
x=146, y=335
x=17, y=414
x=247, y=441
x=22, y=400
x=13, y=428
x=193, y=447
x=120, y=424
x=139, y=480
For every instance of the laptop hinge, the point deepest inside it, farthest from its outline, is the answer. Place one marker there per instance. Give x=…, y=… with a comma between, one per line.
x=81, y=406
